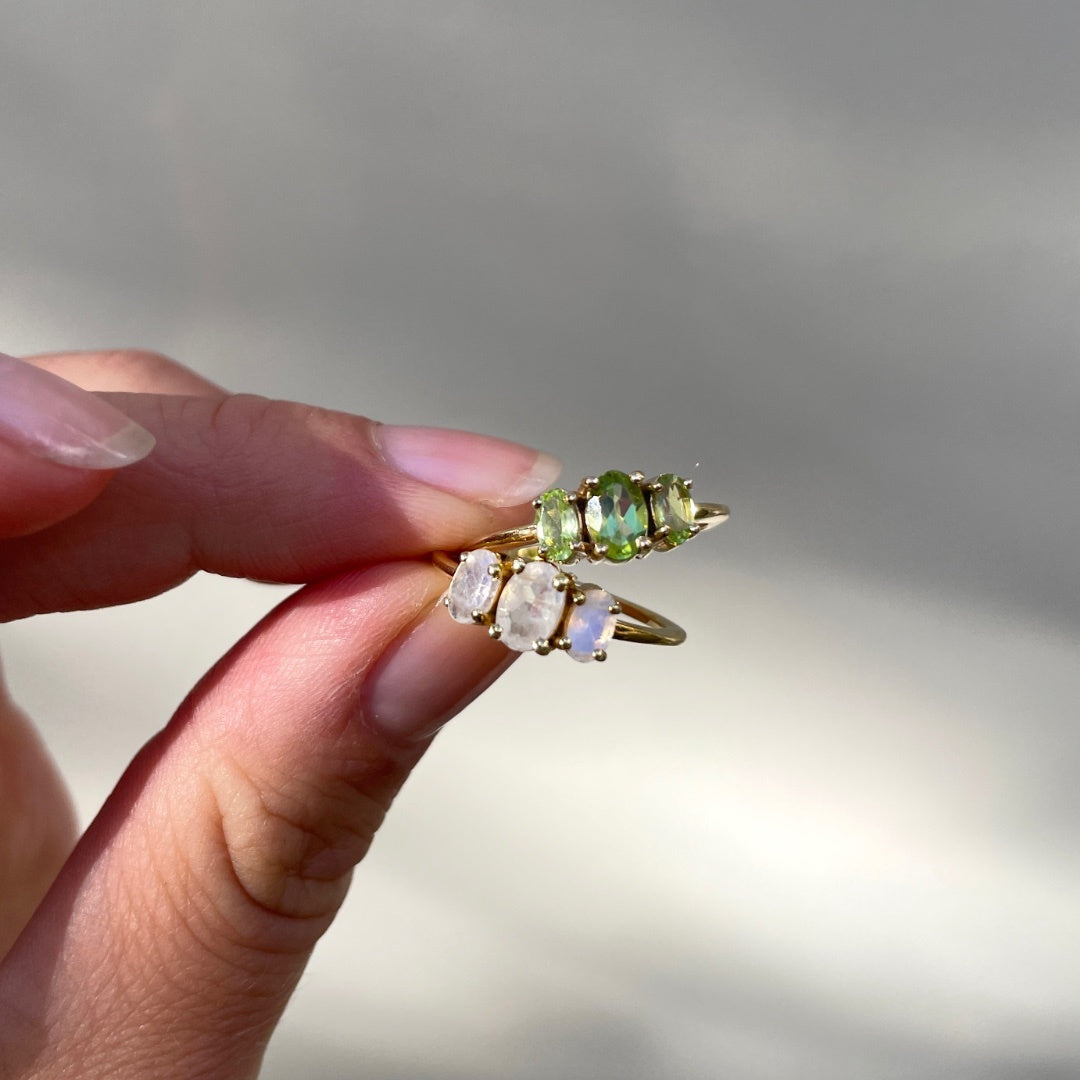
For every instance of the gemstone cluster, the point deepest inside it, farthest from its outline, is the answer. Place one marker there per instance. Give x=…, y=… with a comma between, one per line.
x=615, y=516
x=517, y=586
x=532, y=606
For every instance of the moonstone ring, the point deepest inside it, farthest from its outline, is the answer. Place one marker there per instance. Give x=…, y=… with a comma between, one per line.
x=530, y=605
x=612, y=517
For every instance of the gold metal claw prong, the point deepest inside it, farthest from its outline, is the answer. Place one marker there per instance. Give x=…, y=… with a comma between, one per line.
x=652, y=485
x=688, y=484
x=560, y=582
x=638, y=477
x=577, y=597
x=446, y=600
x=463, y=556
x=598, y=552
x=644, y=545
x=661, y=533
x=537, y=503
x=587, y=486
x=495, y=631
x=562, y=643
x=494, y=571
x=599, y=654
x=517, y=565
x=542, y=646
x=478, y=616
x=695, y=529
x=615, y=608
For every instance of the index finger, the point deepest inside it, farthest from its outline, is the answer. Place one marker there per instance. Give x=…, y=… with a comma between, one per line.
x=247, y=487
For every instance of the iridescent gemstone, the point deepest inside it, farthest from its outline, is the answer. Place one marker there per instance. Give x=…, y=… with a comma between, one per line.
x=616, y=515
x=673, y=506
x=558, y=527
x=530, y=607
x=474, y=585
x=590, y=625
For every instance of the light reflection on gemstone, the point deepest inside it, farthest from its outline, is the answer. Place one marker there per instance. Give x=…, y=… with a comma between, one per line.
x=530, y=607
x=473, y=587
x=558, y=527
x=616, y=515
x=591, y=624
x=673, y=506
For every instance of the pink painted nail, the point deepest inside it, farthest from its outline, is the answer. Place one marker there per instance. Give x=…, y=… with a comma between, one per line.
x=55, y=419
x=480, y=467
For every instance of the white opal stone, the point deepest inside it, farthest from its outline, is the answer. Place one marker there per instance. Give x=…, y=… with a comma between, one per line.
x=530, y=607
x=473, y=587
x=590, y=625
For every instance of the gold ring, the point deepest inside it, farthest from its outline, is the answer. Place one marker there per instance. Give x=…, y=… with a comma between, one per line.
x=530, y=605
x=615, y=516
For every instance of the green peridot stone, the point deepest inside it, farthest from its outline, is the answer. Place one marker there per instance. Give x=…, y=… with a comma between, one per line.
x=616, y=515
x=558, y=527
x=673, y=506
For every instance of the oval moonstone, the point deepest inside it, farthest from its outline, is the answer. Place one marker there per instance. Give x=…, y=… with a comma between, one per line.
x=673, y=506
x=558, y=527
x=590, y=625
x=530, y=607
x=473, y=587
x=616, y=515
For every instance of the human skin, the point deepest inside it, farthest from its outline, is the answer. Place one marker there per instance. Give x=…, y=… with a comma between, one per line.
x=165, y=941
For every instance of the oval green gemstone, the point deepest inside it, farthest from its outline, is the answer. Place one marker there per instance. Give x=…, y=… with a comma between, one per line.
x=616, y=515
x=558, y=527
x=673, y=506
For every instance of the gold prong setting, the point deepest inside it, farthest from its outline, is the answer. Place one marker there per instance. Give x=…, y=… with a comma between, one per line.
x=591, y=625
x=558, y=525
x=475, y=586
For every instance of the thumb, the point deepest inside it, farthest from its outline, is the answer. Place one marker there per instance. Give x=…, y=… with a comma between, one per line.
x=59, y=444
x=170, y=944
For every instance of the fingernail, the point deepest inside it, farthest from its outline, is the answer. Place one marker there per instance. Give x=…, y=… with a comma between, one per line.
x=491, y=470
x=55, y=419
x=429, y=674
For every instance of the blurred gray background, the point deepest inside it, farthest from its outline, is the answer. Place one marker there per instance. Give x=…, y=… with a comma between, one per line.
x=823, y=258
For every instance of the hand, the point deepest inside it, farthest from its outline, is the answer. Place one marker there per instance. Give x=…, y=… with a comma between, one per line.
x=173, y=934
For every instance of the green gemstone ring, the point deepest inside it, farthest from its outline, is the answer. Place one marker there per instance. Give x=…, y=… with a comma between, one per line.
x=612, y=517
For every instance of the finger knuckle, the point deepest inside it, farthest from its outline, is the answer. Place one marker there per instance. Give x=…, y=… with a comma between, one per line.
x=292, y=838
x=144, y=359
